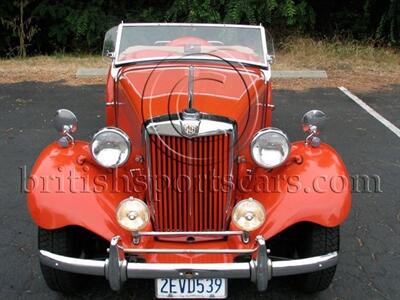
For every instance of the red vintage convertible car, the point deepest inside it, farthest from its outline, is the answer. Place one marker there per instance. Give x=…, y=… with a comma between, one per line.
x=188, y=184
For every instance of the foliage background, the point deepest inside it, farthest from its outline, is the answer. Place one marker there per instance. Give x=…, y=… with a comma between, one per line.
x=78, y=26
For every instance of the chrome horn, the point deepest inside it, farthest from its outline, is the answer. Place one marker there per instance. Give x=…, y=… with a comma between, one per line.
x=312, y=123
x=66, y=123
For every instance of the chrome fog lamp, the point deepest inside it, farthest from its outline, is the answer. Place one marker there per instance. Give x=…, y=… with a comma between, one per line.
x=248, y=214
x=133, y=214
x=270, y=147
x=110, y=147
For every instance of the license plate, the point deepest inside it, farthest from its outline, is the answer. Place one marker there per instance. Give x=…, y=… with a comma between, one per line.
x=192, y=288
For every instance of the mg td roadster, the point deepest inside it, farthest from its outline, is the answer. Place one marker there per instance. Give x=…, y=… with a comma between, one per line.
x=189, y=183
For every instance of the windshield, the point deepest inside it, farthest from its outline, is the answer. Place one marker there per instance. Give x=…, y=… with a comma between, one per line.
x=143, y=42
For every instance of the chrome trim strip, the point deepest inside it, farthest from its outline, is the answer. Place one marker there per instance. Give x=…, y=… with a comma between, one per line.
x=117, y=270
x=192, y=58
x=174, y=127
x=117, y=43
x=192, y=24
x=207, y=270
x=114, y=67
x=190, y=251
x=264, y=43
x=189, y=233
x=185, y=115
x=190, y=86
x=149, y=179
x=232, y=155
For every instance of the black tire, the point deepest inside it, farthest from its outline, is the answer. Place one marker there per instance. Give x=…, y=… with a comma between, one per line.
x=317, y=240
x=68, y=242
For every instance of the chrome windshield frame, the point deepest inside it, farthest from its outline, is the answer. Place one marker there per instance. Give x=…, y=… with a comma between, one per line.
x=202, y=57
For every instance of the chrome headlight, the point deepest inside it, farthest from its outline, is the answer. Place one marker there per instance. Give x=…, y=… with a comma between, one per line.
x=248, y=214
x=270, y=147
x=110, y=147
x=133, y=214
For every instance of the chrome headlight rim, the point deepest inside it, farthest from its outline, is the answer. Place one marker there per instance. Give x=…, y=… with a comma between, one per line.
x=264, y=131
x=117, y=131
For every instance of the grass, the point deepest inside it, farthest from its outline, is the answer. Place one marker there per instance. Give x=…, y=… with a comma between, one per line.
x=47, y=68
x=64, y=59
x=336, y=55
x=356, y=65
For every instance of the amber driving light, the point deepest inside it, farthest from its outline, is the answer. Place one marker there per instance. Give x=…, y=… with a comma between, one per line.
x=133, y=214
x=248, y=214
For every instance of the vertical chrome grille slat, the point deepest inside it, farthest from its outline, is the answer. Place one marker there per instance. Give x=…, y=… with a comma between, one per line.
x=197, y=207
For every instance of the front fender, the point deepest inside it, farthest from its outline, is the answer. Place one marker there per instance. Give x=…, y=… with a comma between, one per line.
x=62, y=191
x=67, y=188
x=313, y=187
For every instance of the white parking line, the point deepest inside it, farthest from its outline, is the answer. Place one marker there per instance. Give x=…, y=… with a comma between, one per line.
x=371, y=111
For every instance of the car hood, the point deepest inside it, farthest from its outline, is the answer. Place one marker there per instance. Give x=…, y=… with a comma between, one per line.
x=148, y=91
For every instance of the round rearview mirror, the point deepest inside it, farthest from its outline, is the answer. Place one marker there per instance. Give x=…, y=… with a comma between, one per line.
x=313, y=121
x=65, y=121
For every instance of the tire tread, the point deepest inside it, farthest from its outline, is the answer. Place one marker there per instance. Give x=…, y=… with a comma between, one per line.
x=318, y=240
x=62, y=241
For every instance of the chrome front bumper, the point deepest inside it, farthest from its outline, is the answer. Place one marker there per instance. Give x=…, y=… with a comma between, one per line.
x=117, y=270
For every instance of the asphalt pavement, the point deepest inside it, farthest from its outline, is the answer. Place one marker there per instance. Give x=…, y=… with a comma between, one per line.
x=369, y=266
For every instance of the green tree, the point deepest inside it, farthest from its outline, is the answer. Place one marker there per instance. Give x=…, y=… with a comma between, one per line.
x=79, y=26
x=389, y=25
x=21, y=26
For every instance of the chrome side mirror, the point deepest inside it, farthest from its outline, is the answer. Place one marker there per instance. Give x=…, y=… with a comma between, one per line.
x=110, y=54
x=312, y=123
x=270, y=59
x=66, y=123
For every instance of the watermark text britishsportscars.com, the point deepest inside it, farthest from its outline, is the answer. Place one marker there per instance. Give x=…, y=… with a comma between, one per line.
x=69, y=181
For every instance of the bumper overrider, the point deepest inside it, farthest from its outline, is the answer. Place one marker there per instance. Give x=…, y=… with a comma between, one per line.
x=117, y=270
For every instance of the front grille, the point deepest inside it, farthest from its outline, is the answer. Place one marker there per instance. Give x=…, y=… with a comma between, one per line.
x=190, y=186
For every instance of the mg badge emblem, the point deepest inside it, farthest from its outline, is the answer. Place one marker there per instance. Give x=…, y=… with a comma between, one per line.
x=190, y=128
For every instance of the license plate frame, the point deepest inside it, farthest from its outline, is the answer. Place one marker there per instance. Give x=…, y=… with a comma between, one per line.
x=195, y=283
